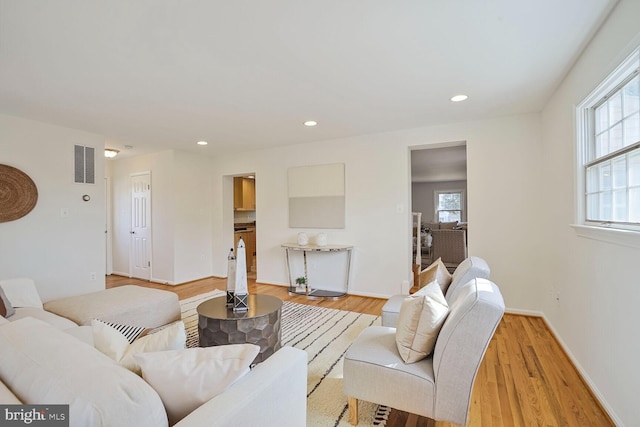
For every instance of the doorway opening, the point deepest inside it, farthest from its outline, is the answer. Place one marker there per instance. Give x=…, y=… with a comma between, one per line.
x=439, y=200
x=244, y=219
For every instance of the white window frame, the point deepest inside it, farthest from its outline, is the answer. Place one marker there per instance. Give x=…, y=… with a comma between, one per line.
x=436, y=203
x=616, y=232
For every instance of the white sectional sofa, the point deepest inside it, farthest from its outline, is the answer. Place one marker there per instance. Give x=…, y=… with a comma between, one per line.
x=49, y=359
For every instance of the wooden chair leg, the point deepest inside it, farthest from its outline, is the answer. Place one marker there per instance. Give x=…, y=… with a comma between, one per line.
x=353, y=410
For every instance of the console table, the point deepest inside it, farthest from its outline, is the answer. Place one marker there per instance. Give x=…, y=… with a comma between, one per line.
x=306, y=288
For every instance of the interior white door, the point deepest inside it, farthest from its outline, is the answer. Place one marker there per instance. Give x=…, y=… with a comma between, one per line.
x=140, y=250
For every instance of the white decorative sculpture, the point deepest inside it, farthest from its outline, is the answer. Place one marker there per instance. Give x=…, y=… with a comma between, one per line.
x=321, y=239
x=241, y=295
x=303, y=239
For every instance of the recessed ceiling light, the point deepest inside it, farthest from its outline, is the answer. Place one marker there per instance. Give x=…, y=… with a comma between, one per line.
x=202, y=143
x=310, y=123
x=459, y=98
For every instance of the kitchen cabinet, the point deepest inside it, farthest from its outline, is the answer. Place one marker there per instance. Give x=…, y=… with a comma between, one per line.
x=244, y=194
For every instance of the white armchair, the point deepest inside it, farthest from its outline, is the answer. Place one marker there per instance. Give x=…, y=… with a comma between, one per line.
x=438, y=387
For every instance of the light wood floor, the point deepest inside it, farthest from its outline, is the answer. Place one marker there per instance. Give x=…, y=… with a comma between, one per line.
x=525, y=378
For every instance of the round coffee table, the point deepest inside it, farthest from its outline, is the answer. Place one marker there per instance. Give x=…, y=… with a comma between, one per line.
x=260, y=325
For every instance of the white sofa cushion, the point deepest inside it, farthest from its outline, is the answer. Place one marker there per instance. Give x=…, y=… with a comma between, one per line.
x=38, y=313
x=21, y=292
x=127, y=305
x=43, y=364
x=421, y=317
x=185, y=379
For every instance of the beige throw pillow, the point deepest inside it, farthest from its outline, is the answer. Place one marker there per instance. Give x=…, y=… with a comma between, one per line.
x=6, y=309
x=436, y=271
x=421, y=317
x=21, y=292
x=185, y=379
x=114, y=344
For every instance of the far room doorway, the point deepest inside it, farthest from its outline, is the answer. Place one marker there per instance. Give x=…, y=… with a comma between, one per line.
x=439, y=203
x=244, y=219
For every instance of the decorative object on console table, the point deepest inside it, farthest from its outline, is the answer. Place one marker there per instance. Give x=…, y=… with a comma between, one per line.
x=321, y=239
x=231, y=278
x=303, y=239
x=240, y=296
x=316, y=292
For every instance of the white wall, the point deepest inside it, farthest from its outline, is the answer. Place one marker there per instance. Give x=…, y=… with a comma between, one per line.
x=58, y=253
x=162, y=213
x=193, y=210
x=181, y=205
x=504, y=196
x=422, y=197
x=597, y=315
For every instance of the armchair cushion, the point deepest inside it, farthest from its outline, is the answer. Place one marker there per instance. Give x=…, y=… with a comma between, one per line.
x=421, y=317
x=373, y=372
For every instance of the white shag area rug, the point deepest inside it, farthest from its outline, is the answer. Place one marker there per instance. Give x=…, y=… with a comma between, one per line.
x=325, y=334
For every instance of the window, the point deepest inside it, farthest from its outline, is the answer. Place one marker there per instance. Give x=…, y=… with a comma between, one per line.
x=449, y=205
x=609, y=147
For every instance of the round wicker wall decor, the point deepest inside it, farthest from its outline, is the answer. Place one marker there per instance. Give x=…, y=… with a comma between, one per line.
x=18, y=193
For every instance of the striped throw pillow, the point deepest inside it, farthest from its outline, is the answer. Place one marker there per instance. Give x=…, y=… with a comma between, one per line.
x=131, y=333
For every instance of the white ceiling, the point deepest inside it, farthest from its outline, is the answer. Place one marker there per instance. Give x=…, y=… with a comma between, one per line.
x=439, y=164
x=160, y=74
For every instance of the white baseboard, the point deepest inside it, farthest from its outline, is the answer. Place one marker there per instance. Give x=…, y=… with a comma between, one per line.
x=120, y=273
x=524, y=312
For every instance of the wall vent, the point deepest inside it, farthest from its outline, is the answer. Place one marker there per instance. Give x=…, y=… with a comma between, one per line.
x=84, y=164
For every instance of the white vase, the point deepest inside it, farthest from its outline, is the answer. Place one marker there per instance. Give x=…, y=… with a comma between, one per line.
x=321, y=239
x=303, y=239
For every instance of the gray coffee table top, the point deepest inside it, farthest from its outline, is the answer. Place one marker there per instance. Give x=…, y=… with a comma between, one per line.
x=259, y=305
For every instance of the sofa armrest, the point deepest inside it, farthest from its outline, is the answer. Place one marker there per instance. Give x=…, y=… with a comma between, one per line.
x=274, y=393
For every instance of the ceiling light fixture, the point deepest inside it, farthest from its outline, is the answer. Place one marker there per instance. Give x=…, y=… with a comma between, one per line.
x=459, y=98
x=310, y=123
x=110, y=152
x=202, y=142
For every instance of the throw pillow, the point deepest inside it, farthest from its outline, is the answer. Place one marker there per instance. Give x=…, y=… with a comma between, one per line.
x=6, y=309
x=108, y=340
x=114, y=344
x=419, y=322
x=436, y=271
x=21, y=292
x=173, y=337
x=185, y=379
x=131, y=333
